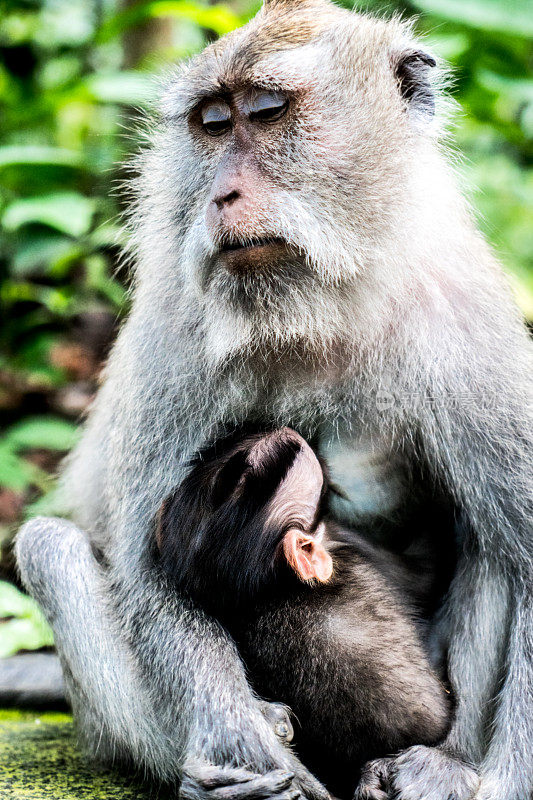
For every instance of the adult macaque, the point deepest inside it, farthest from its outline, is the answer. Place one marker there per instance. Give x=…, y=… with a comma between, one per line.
x=323, y=620
x=304, y=259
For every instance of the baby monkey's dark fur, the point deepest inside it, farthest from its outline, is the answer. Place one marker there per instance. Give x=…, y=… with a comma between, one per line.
x=345, y=654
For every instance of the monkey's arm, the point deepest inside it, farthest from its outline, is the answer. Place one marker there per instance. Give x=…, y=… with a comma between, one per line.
x=204, y=699
x=114, y=714
x=205, y=723
x=114, y=701
x=477, y=432
x=486, y=448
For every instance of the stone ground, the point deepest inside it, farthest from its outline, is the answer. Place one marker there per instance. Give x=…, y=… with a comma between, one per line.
x=39, y=760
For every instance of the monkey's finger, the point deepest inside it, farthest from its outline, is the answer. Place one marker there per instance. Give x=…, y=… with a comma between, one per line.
x=201, y=780
x=212, y=776
x=273, y=783
x=312, y=789
x=291, y=794
x=305, y=781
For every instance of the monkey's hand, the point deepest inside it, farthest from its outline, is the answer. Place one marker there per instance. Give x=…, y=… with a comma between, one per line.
x=256, y=764
x=419, y=773
x=204, y=781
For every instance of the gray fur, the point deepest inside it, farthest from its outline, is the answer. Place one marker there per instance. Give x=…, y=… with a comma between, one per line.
x=397, y=338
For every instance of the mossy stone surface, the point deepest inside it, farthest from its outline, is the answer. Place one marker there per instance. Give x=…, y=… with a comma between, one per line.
x=39, y=760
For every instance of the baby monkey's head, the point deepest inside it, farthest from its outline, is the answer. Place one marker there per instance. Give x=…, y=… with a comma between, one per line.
x=248, y=517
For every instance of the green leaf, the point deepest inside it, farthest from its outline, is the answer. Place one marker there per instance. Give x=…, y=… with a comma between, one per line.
x=15, y=473
x=511, y=16
x=63, y=23
x=33, y=356
x=523, y=291
x=35, y=252
x=57, y=301
x=15, y=155
x=50, y=433
x=108, y=235
x=51, y=504
x=449, y=46
x=14, y=603
x=98, y=279
x=218, y=18
x=68, y=212
x=28, y=630
x=518, y=89
x=129, y=88
x=23, y=634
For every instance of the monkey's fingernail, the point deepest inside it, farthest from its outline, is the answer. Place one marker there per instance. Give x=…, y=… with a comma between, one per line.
x=282, y=774
x=280, y=779
x=284, y=731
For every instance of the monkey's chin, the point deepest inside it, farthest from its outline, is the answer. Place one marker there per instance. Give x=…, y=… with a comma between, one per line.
x=260, y=256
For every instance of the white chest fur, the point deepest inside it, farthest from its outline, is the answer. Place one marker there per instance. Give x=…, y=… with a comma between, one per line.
x=371, y=480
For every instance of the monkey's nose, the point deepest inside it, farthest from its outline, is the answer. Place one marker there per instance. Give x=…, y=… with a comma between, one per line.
x=226, y=199
x=226, y=210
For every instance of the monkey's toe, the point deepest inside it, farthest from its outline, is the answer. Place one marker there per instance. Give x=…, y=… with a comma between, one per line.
x=427, y=773
x=374, y=782
x=278, y=716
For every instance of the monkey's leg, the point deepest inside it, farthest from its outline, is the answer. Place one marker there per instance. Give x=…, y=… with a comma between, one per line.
x=490, y=628
x=419, y=773
x=114, y=714
x=201, y=692
x=507, y=771
x=113, y=703
x=475, y=623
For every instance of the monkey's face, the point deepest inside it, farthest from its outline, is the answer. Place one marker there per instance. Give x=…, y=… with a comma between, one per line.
x=290, y=147
x=247, y=520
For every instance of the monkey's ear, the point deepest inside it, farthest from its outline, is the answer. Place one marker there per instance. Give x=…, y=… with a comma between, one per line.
x=308, y=558
x=412, y=73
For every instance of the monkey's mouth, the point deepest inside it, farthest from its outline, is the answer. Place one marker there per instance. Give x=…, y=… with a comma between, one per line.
x=245, y=256
x=250, y=244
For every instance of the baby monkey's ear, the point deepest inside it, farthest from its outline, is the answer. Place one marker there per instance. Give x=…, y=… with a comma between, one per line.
x=307, y=557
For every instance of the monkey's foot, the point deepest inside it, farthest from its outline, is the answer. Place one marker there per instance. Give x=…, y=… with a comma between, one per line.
x=374, y=783
x=204, y=781
x=419, y=773
x=495, y=787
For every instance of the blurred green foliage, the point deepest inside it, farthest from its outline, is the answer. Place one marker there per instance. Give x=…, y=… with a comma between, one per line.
x=23, y=626
x=72, y=73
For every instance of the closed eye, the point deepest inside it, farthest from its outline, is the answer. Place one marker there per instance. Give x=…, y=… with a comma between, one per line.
x=267, y=107
x=215, y=117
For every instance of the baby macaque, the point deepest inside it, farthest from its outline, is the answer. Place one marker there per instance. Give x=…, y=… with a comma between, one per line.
x=324, y=621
